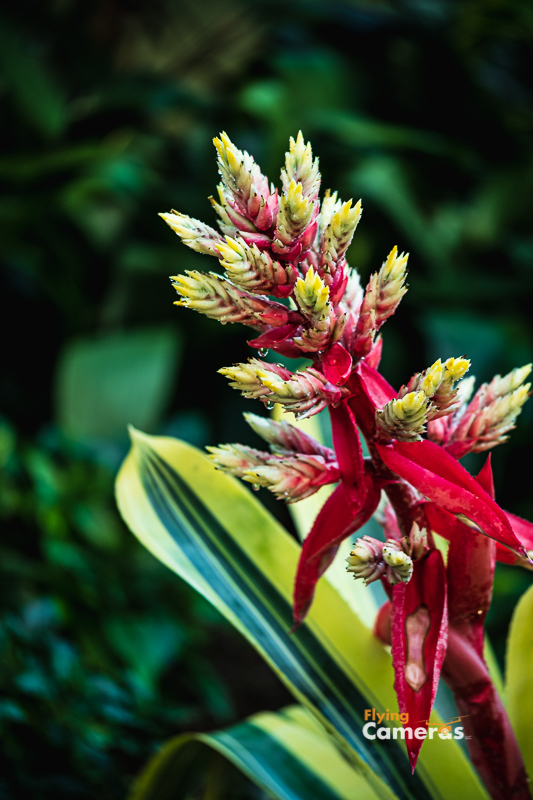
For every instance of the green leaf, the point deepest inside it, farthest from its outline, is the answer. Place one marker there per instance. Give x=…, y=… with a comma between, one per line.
x=362, y=132
x=288, y=755
x=34, y=89
x=520, y=677
x=209, y=528
x=105, y=382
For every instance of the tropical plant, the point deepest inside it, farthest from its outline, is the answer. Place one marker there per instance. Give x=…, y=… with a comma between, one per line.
x=286, y=276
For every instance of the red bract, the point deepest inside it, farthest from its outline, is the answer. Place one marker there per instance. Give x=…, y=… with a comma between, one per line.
x=419, y=637
x=439, y=477
x=349, y=507
x=337, y=365
x=494, y=749
x=292, y=246
x=336, y=520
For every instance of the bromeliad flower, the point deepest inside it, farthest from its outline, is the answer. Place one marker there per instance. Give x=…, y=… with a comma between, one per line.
x=286, y=276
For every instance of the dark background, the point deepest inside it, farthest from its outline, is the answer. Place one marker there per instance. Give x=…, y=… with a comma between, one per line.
x=107, y=114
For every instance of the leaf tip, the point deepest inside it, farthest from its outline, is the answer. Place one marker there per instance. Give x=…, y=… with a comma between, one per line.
x=136, y=436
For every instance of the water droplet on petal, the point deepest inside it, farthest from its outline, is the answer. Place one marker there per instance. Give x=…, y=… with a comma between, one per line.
x=270, y=405
x=255, y=487
x=263, y=351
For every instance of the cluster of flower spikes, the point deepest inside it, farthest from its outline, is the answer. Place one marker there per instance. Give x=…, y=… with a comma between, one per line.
x=293, y=246
x=285, y=276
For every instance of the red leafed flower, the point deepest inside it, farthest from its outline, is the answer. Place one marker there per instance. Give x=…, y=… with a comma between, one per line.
x=292, y=246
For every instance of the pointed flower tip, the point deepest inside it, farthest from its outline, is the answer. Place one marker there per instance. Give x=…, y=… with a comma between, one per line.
x=518, y=376
x=456, y=368
x=220, y=140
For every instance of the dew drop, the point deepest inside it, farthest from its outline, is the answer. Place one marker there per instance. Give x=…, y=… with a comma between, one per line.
x=263, y=351
x=270, y=405
x=255, y=487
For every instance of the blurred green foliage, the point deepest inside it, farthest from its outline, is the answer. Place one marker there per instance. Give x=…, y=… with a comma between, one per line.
x=107, y=111
x=104, y=654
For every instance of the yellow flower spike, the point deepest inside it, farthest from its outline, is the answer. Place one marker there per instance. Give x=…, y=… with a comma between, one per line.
x=185, y=287
x=397, y=409
x=301, y=168
x=294, y=213
x=242, y=181
x=312, y=295
x=456, y=368
x=330, y=206
x=507, y=408
x=344, y=221
x=432, y=378
x=300, y=153
x=392, y=282
x=501, y=386
x=232, y=251
x=230, y=155
x=297, y=204
x=383, y=293
x=394, y=266
x=338, y=222
x=412, y=403
x=240, y=373
x=193, y=233
x=519, y=375
x=219, y=298
x=236, y=246
x=492, y=414
x=404, y=418
x=390, y=260
x=280, y=387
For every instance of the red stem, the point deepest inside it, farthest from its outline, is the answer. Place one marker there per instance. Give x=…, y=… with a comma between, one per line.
x=493, y=747
x=492, y=744
x=490, y=738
